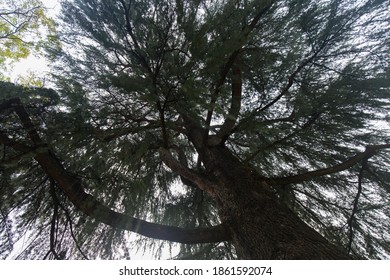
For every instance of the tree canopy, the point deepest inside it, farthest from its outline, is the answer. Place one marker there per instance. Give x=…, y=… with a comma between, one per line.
x=296, y=93
x=24, y=29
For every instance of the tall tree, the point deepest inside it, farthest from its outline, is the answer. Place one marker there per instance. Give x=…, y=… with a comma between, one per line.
x=237, y=129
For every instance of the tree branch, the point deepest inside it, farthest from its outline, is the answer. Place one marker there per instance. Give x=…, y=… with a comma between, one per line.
x=109, y=135
x=94, y=209
x=201, y=182
x=17, y=26
x=369, y=152
x=53, y=228
x=235, y=106
x=67, y=215
x=232, y=58
x=137, y=47
x=307, y=124
x=290, y=82
x=87, y=204
x=355, y=205
x=184, y=162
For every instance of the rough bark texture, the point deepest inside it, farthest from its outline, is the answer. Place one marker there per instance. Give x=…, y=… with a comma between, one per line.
x=261, y=226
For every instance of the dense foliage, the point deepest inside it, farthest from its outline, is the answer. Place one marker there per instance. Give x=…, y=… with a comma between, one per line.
x=289, y=86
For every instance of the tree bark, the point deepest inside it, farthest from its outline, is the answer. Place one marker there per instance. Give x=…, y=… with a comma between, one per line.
x=261, y=226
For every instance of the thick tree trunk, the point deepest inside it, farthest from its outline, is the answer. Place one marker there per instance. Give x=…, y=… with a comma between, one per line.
x=262, y=227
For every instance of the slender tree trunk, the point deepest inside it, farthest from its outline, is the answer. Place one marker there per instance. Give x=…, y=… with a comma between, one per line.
x=262, y=227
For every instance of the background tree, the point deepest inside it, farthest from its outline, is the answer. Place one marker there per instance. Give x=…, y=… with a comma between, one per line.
x=238, y=129
x=24, y=28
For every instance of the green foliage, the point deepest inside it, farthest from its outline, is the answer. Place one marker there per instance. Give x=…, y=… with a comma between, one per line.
x=24, y=29
x=316, y=85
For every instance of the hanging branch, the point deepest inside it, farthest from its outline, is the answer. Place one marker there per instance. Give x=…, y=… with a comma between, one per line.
x=355, y=205
x=71, y=231
x=53, y=228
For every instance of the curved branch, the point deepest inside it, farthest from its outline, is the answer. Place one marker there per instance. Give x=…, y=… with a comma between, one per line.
x=369, y=152
x=94, y=209
x=291, y=78
x=87, y=204
x=290, y=81
x=245, y=32
x=201, y=182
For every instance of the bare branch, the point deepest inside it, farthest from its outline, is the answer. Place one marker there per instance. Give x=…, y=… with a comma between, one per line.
x=72, y=232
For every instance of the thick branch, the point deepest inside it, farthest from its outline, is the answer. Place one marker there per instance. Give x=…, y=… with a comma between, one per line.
x=201, y=182
x=86, y=203
x=369, y=152
x=184, y=162
x=5, y=140
x=235, y=106
x=94, y=209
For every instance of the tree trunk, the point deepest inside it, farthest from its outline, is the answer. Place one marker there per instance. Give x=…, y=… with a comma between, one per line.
x=262, y=227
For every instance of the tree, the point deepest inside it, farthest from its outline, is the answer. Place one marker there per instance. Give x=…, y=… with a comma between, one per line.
x=24, y=28
x=237, y=129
